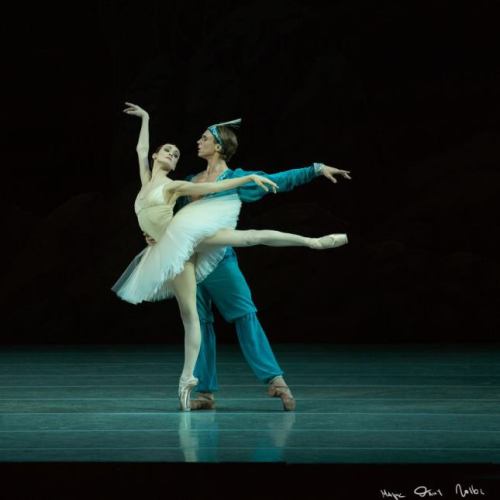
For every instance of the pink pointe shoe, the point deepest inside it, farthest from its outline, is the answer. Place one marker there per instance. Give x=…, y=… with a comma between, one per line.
x=185, y=388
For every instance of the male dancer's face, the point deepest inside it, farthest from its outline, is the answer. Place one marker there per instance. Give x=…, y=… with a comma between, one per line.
x=206, y=145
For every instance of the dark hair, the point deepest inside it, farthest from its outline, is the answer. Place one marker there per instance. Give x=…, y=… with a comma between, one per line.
x=157, y=150
x=229, y=141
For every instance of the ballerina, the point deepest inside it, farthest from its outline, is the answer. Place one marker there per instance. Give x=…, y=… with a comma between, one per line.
x=190, y=243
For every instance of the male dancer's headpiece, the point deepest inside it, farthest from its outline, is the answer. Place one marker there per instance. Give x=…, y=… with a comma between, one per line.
x=215, y=132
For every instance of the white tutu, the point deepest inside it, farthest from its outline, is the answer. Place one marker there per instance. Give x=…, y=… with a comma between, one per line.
x=149, y=275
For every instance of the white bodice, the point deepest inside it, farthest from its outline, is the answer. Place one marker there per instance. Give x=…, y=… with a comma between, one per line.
x=153, y=211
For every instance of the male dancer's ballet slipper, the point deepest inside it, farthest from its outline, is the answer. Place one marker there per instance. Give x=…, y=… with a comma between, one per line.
x=279, y=389
x=330, y=241
x=185, y=388
x=204, y=401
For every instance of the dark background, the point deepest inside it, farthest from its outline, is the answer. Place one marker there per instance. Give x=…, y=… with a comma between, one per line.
x=404, y=96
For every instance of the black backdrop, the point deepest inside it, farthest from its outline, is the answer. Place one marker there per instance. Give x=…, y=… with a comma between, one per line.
x=403, y=96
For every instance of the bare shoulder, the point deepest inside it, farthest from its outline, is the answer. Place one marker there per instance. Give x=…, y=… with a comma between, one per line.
x=174, y=185
x=173, y=189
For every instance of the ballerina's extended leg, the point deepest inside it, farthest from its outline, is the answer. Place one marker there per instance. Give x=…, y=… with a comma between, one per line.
x=268, y=237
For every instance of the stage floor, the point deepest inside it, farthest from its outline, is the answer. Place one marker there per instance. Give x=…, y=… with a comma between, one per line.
x=359, y=404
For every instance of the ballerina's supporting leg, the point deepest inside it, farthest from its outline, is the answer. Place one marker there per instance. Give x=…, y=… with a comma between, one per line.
x=268, y=237
x=184, y=285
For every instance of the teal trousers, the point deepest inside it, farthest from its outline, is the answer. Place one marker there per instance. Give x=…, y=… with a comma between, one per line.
x=227, y=289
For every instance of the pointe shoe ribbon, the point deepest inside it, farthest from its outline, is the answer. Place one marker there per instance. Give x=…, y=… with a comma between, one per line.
x=279, y=389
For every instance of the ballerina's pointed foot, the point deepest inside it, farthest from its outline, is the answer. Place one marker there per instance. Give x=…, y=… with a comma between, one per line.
x=186, y=385
x=329, y=241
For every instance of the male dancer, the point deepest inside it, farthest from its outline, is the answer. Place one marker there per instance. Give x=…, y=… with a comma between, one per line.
x=226, y=286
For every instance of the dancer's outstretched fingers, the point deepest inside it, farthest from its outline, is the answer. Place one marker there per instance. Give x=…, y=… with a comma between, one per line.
x=330, y=176
x=262, y=181
x=271, y=183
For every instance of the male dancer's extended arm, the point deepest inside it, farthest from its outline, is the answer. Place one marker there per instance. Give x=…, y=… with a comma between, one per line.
x=287, y=180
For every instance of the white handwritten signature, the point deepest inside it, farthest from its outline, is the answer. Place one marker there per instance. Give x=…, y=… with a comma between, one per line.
x=425, y=492
x=459, y=490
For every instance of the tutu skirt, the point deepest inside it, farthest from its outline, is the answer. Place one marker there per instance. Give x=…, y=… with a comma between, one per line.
x=148, y=277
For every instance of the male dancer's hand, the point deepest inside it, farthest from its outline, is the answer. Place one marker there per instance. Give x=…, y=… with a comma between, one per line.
x=330, y=172
x=150, y=241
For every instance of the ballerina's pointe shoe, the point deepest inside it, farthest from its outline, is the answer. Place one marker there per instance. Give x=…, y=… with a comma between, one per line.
x=185, y=388
x=279, y=389
x=204, y=401
x=329, y=241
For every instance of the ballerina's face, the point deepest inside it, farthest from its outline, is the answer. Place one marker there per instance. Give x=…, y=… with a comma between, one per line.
x=206, y=145
x=168, y=155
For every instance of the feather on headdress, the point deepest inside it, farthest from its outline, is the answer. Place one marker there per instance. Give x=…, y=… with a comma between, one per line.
x=215, y=132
